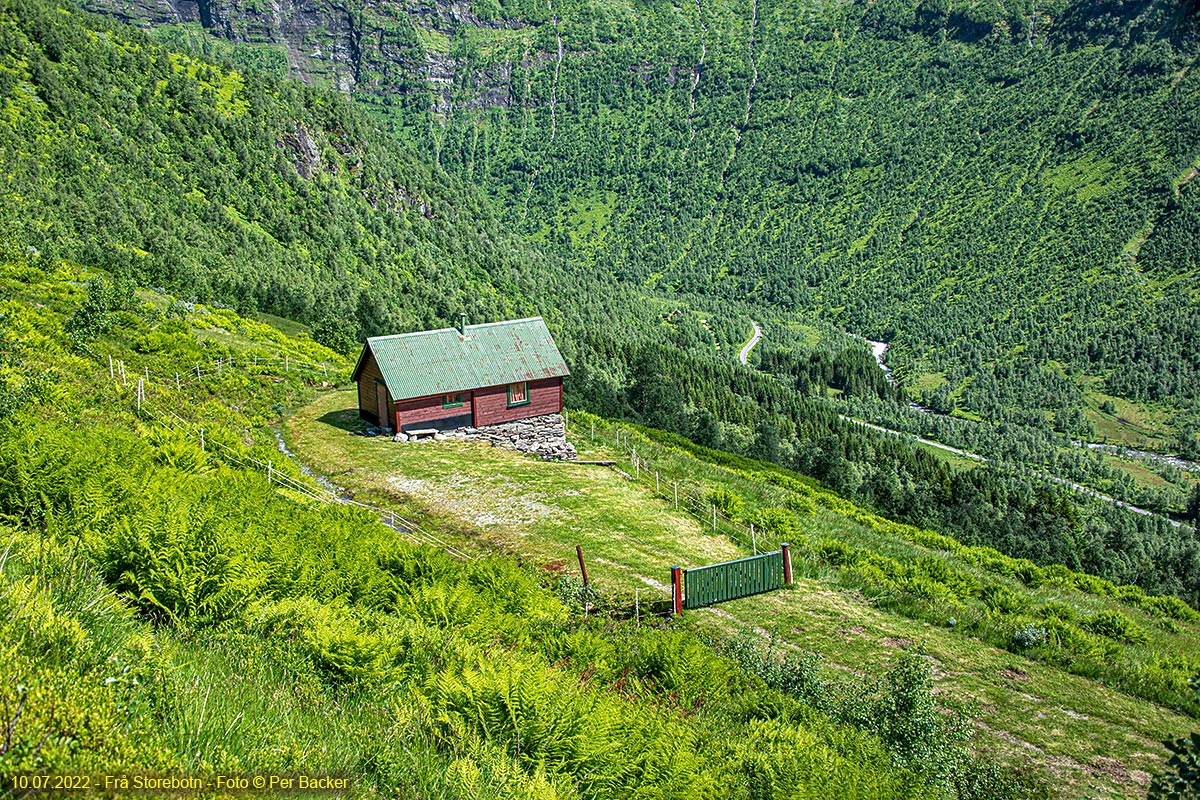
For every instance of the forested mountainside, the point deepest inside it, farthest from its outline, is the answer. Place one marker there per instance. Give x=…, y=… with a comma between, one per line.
x=1000, y=189
x=246, y=190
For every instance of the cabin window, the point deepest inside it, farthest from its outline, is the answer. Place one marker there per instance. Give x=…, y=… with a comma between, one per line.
x=518, y=394
x=452, y=400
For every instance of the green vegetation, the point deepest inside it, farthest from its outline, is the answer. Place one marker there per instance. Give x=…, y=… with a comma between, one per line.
x=168, y=607
x=950, y=180
x=265, y=196
x=1078, y=696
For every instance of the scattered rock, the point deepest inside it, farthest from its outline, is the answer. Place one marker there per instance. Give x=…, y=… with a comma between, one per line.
x=544, y=436
x=895, y=643
x=1014, y=675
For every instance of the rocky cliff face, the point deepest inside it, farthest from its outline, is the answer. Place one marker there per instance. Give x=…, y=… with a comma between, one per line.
x=374, y=47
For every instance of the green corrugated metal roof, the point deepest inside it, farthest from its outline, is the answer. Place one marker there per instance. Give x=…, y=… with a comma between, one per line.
x=441, y=361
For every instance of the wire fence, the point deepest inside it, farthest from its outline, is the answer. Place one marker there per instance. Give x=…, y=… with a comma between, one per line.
x=180, y=379
x=647, y=464
x=151, y=409
x=644, y=463
x=152, y=390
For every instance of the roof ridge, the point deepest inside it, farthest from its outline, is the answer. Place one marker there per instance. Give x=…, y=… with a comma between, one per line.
x=455, y=330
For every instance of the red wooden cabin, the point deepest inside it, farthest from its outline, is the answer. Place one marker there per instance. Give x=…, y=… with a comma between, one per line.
x=472, y=375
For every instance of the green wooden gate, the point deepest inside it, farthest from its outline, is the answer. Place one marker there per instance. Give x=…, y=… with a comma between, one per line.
x=729, y=580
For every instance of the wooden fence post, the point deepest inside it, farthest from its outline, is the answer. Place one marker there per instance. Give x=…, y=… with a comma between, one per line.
x=270, y=471
x=582, y=567
x=197, y=372
x=714, y=519
x=753, y=541
x=787, y=564
x=677, y=591
x=139, y=394
x=676, y=494
x=177, y=387
x=287, y=363
x=637, y=607
x=656, y=481
x=110, y=367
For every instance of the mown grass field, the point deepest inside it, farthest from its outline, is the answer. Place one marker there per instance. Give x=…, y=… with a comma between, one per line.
x=1087, y=739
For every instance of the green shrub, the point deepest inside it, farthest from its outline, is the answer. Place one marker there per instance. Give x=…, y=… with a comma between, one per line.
x=1000, y=599
x=1055, y=609
x=1182, y=776
x=775, y=523
x=727, y=502
x=1059, y=575
x=960, y=584
x=801, y=504
x=926, y=588
x=836, y=553
x=1171, y=607
x=1071, y=640
x=1116, y=625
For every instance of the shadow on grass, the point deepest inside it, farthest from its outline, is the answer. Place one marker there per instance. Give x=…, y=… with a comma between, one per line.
x=347, y=420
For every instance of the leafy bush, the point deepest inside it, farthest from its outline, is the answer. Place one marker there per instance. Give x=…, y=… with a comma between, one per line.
x=1000, y=599
x=727, y=502
x=775, y=523
x=801, y=504
x=1029, y=636
x=1055, y=609
x=836, y=553
x=1116, y=625
x=574, y=595
x=1182, y=778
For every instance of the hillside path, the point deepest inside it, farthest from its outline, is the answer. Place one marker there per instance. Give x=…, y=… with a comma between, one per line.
x=745, y=354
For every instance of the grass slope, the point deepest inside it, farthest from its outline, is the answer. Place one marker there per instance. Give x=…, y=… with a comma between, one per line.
x=1088, y=739
x=169, y=608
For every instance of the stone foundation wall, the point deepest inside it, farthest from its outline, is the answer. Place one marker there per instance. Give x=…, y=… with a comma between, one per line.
x=544, y=436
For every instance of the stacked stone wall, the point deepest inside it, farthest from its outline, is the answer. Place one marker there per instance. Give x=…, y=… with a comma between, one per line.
x=544, y=436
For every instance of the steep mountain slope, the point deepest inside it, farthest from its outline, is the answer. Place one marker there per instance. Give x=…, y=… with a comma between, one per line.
x=992, y=186
x=254, y=192
x=170, y=611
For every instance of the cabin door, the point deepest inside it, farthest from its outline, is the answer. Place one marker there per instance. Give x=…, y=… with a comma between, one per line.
x=385, y=418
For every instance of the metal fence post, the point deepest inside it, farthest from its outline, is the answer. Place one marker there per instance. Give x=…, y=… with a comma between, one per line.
x=582, y=567
x=677, y=590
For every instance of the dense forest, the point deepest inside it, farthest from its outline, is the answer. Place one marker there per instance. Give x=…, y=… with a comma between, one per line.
x=263, y=194
x=1002, y=190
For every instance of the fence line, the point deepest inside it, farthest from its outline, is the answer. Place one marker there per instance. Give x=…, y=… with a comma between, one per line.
x=168, y=419
x=681, y=491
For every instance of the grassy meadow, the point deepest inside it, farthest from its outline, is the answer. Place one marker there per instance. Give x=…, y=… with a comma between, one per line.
x=1087, y=739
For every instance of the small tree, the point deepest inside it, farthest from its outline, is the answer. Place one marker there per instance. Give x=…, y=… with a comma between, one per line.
x=1182, y=778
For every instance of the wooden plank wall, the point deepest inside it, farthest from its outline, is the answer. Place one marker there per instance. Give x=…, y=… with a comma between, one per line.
x=367, y=403
x=427, y=409
x=491, y=404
